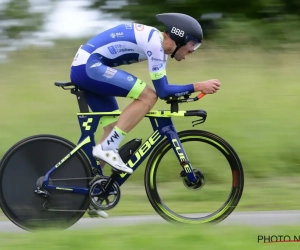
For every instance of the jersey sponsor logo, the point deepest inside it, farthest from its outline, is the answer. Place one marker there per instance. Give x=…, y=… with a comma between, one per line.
x=130, y=78
x=158, y=60
x=125, y=50
x=109, y=73
x=117, y=34
x=182, y=93
x=112, y=50
x=149, y=53
x=158, y=75
x=139, y=27
x=115, y=49
x=157, y=67
x=96, y=65
x=114, y=136
x=128, y=26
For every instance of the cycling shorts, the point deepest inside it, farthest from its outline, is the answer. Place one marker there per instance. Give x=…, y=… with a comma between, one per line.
x=102, y=84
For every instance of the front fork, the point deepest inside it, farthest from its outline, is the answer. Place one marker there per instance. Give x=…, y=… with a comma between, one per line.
x=174, y=140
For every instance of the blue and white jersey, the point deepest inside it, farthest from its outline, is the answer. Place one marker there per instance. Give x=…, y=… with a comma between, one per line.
x=132, y=43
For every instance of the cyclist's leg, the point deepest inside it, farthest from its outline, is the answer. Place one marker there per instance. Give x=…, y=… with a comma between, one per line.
x=136, y=110
x=98, y=78
x=116, y=82
x=125, y=85
x=102, y=103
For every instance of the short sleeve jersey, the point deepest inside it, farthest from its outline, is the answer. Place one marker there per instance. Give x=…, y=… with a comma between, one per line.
x=132, y=43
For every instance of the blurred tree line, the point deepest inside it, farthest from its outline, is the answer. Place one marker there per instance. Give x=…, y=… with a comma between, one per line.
x=232, y=21
x=144, y=10
x=17, y=18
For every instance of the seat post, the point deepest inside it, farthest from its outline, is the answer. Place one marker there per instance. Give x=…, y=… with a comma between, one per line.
x=81, y=99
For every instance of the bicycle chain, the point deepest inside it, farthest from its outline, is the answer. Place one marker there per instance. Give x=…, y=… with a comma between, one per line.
x=93, y=179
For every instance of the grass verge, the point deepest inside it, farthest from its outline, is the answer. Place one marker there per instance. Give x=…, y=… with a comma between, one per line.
x=155, y=236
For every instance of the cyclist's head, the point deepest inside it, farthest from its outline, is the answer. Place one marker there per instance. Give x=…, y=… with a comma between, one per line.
x=183, y=30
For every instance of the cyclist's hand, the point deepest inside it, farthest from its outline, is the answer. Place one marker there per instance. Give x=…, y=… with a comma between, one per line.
x=207, y=87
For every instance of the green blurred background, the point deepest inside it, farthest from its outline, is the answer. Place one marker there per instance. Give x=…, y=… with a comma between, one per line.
x=251, y=46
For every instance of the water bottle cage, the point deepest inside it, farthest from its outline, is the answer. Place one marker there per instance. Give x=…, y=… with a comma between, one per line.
x=129, y=148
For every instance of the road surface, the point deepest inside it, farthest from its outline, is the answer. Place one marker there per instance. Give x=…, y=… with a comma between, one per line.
x=266, y=218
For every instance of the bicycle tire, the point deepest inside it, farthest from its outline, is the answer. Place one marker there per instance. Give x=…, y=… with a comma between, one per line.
x=237, y=182
x=23, y=164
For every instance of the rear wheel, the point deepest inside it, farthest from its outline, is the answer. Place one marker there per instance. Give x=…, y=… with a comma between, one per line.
x=195, y=203
x=27, y=162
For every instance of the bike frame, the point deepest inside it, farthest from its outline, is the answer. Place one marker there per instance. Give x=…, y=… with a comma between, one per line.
x=162, y=125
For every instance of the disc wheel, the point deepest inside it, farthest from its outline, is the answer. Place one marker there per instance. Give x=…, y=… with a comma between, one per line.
x=25, y=164
x=198, y=138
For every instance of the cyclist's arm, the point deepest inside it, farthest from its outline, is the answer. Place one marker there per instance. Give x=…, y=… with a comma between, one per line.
x=157, y=69
x=164, y=90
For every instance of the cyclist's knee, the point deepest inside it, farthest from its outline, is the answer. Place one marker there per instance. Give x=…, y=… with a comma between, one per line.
x=148, y=96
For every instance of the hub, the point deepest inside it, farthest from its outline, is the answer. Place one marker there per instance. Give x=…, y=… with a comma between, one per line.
x=193, y=185
x=39, y=190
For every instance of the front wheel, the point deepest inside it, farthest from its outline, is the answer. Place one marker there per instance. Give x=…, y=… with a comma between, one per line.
x=183, y=201
x=24, y=166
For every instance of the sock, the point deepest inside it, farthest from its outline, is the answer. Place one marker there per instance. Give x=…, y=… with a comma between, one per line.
x=114, y=139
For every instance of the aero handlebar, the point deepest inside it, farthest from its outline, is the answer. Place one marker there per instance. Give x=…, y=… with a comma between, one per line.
x=174, y=101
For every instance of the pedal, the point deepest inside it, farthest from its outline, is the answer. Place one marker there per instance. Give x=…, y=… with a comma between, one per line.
x=93, y=213
x=116, y=172
x=129, y=148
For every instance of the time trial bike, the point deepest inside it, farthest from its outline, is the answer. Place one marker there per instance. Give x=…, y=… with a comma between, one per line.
x=49, y=182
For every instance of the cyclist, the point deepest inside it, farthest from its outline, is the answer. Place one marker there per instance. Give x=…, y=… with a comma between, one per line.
x=94, y=70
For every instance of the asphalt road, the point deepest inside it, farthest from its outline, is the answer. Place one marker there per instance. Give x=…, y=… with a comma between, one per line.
x=266, y=218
